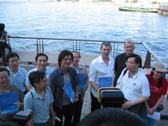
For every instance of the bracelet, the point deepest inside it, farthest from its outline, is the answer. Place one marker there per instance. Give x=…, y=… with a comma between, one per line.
x=132, y=103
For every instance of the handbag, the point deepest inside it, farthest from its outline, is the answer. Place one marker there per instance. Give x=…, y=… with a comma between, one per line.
x=160, y=107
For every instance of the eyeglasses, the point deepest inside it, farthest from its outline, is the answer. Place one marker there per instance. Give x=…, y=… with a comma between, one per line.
x=67, y=59
x=130, y=63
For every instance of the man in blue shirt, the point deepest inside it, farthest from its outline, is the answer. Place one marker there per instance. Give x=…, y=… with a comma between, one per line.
x=17, y=74
x=39, y=100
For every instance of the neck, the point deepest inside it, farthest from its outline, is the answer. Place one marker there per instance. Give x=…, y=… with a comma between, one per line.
x=5, y=89
x=75, y=65
x=132, y=73
x=14, y=70
x=64, y=70
x=155, y=78
x=41, y=92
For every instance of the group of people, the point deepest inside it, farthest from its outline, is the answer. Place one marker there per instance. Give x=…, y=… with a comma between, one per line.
x=143, y=93
x=42, y=90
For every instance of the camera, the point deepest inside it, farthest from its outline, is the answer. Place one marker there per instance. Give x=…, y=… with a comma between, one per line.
x=110, y=97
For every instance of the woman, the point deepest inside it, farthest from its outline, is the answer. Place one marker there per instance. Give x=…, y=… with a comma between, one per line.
x=61, y=77
x=158, y=89
x=83, y=85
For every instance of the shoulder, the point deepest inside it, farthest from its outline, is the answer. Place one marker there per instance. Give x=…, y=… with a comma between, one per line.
x=22, y=70
x=120, y=55
x=96, y=60
x=34, y=69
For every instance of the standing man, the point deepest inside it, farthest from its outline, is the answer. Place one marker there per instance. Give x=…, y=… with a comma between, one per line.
x=134, y=84
x=41, y=60
x=17, y=74
x=120, y=59
x=102, y=66
x=39, y=100
x=81, y=70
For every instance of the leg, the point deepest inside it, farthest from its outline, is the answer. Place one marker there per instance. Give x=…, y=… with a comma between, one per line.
x=94, y=103
x=68, y=113
x=78, y=109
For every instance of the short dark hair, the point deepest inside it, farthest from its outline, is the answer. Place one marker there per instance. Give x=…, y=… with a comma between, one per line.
x=35, y=76
x=106, y=44
x=2, y=26
x=77, y=53
x=112, y=117
x=4, y=69
x=137, y=59
x=41, y=54
x=10, y=55
x=62, y=54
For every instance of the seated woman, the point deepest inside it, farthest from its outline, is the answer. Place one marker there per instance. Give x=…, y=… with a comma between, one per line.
x=3, y=43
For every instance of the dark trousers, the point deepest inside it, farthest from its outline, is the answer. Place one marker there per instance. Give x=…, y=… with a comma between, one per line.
x=67, y=111
x=94, y=103
x=48, y=123
x=77, y=111
x=4, y=45
x=136, y=109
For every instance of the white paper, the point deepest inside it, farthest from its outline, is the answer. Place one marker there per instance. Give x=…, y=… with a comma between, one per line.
x=155, y=116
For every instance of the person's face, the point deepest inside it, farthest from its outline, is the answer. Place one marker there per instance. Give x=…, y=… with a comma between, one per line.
x=66, y=62
x=41, y=63
x=129, y=48
x=13, y=63
x=75, y=58
x=4, y=79
x=131, y=65
x=105, y=51
x=157, y=75
x=43, y=84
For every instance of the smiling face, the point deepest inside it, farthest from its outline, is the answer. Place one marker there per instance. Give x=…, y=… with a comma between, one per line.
x=66, y=62
x=76, y=58
x=13, y=63
x=41, y=63
x=42, y=85
x=105, y=51
x=129, y=48
x=4, y=79
x=157, y=74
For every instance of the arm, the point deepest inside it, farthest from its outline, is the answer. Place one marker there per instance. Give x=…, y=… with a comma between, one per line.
x=86, y=80
x=52, y=114
x=94, y=85
x=30, y=123
x=139, y=100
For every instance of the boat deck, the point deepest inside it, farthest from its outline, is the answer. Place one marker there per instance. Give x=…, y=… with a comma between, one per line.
x=87, y=102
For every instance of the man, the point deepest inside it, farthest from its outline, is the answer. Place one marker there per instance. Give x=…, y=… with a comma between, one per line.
x=39, y=100
x=17, y=74
x=133, y=84
x=111, y=117
x=41, y=61
x=6, y=87
x=81, y=70
x=120, y=59
x=101, y=66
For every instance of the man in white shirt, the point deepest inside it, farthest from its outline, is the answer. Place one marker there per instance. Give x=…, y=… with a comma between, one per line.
x=134, y=84
x=41, y=61
x=102, y=66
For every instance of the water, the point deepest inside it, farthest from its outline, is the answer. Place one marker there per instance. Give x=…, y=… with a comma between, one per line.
x=85, y=21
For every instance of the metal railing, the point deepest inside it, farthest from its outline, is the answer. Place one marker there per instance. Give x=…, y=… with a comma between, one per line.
x=80, y=45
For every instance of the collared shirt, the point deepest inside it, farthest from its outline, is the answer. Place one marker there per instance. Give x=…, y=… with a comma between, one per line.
x=135, y=86
x=47, y=72
x=56, y=83
x=38, y=105
x=19, y=78
x=98, y=68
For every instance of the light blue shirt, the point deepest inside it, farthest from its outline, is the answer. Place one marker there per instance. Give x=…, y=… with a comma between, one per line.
x=38, y=106
x=47, y=72
x=19, y=78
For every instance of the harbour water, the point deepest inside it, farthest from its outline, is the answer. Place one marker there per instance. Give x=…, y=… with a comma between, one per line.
x=85, y=21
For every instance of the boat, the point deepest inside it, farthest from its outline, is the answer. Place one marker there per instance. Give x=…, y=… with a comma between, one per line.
x=163, y=9
x=139, y=8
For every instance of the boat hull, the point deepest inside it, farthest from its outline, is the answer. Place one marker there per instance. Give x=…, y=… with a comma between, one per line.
x=139, y=10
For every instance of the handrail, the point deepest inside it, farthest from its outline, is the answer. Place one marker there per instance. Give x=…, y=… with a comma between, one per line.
x=76, y=46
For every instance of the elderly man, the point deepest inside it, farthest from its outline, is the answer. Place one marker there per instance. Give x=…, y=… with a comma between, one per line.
x=6, y=87
x=17, y=74
x=134, y=84
x=102, y=66
x=41, y=60
x=120, y=59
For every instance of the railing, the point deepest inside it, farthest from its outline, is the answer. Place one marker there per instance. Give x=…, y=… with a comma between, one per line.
x=82, y=45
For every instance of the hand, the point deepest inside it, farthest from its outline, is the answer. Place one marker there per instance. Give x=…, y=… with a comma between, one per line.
x=76, y=99
x=84, y=89
x=18, y=104
x=127, y=105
